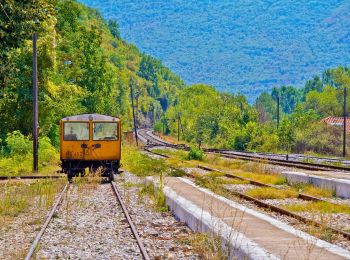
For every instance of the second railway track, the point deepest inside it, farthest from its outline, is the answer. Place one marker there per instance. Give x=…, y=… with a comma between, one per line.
x=260, y=203
x=153, y=140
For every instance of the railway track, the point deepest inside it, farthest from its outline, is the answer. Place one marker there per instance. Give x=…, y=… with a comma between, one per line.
x=31, y=177
x=153, y=140
x=58, y=202
x=262, y=204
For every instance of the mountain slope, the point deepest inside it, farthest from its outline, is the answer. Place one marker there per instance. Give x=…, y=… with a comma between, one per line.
x=246, y=46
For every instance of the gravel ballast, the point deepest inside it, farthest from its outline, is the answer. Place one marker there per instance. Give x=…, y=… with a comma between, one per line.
x=89, y=225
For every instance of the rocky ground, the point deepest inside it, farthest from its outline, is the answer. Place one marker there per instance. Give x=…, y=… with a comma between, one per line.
x=89, y=225
x=162, y=234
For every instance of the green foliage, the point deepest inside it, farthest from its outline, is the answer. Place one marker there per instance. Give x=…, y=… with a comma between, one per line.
x=141, y=164
x=246, y=46
x=114, y=28
x=195, y=154
x=158, y=127
x=18, y=144
x=17, y=156
x=84, y=67
x=157, y=196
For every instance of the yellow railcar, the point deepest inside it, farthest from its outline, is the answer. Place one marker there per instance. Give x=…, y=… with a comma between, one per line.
x=90, y=141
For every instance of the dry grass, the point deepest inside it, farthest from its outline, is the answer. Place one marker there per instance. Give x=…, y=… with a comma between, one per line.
x=313, y=191
x=264, y=178
x=208, y=247
x=318, y=207
x=271, y=193
x=18, y=197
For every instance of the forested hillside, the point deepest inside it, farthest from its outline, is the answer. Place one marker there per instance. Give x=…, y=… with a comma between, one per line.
x=246, y=46
x=84, y=67
x=222, y=120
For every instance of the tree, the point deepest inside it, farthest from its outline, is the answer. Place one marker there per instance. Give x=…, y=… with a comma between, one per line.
x=114, y=28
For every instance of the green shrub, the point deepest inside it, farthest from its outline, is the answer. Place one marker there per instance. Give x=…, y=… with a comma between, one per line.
x=17, y=155
x=18, y=144
x=195, y=154
x=47, y=153
x=158, y=127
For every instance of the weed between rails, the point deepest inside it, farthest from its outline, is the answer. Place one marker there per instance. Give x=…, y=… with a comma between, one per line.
x=271, y=193
x=313, y=191
x=319, y=207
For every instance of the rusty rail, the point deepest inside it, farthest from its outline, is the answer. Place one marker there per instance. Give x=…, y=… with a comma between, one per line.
x=132, y=226
x=282, y=211
x=47, y=221
x=260, y=158
x=31, y=177
x=257, y=183
x=272, y=207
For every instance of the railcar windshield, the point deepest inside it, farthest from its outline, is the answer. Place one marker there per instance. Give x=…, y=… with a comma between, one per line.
x=105, y=131
x=76, y=131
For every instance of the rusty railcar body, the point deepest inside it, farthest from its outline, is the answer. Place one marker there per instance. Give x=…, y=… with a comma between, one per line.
x=90, y=141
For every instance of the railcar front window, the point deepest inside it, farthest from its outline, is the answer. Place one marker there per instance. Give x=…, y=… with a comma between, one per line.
x=105, y=131
x=76, y=131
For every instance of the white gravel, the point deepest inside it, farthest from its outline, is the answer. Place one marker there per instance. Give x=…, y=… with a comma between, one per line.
x=242, y=188
x=160, y=231
x=89, y=225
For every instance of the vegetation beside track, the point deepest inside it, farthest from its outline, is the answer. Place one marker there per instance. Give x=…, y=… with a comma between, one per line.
x=206, y=245
x=16, y=157
x=17, y=197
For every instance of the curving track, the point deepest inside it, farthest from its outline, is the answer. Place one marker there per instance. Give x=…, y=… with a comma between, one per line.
x=276, y=159
x=262, y=204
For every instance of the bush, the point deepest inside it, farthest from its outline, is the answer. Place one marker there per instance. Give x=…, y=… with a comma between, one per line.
x=18, y=144
x=47, y=153
x=195, y=154
x=17, y=156
x=158, y=127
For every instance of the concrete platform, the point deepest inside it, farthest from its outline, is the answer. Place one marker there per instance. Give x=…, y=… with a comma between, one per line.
x=336, y=182
x=245, y=232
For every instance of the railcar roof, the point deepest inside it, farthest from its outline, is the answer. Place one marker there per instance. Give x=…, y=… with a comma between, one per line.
x=88, y=117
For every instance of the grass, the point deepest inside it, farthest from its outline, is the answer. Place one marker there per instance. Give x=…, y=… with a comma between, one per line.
x=207, y=246
x=141, y=164
x=318, y=207
x=271, y=193
x=313, y=191
x=18, y=197
x=156, y=195
x=215, y=181
x=264, y=178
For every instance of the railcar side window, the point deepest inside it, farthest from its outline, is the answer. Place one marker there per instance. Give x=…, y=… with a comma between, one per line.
x=105, y=131
x=76, y=131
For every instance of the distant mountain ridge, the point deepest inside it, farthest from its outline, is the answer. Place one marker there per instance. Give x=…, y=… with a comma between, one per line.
x=246, y=46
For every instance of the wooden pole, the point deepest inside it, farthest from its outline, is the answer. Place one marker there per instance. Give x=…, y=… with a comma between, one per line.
x=35, y=105
x=278, y=111
x=344, y=124
x=133, y=113
x=178, y=127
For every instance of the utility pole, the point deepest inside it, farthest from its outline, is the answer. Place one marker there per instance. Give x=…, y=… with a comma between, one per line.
x=278, y=111
x=133, y=112
x=35, y=105
x=178, y=127
x=344, y=124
